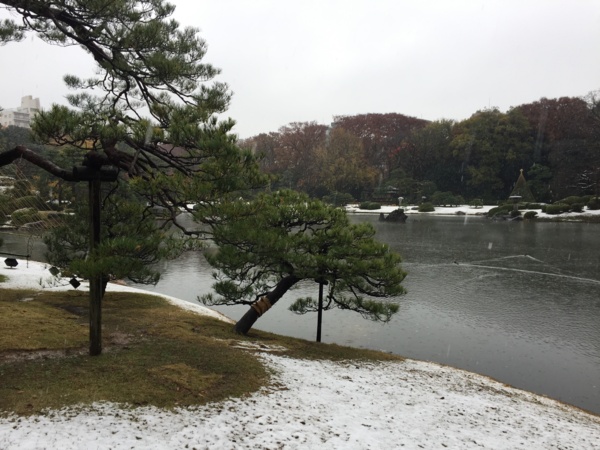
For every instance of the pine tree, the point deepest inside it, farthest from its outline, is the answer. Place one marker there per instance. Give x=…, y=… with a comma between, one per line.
x=131, y=241
x=522, y=190
x=149, y=113
x=282, y=238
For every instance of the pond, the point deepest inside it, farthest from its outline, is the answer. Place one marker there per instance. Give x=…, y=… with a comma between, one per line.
x=517, y=301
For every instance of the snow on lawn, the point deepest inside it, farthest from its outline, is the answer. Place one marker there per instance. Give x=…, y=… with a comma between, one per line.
x=35, y=275
x=315, y=404
x=466, y=210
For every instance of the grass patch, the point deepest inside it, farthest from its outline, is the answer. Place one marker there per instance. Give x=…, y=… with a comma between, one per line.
x=154, y=353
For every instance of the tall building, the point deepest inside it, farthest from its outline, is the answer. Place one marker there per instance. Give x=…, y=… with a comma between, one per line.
x=20, y=117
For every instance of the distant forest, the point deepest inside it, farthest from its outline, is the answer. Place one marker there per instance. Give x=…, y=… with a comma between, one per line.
x=382, y=156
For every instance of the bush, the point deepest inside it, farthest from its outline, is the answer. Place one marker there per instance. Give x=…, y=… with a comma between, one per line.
x=594, y=203
x=557, y=208
x=26, y=215
x=426, y=207
x=577, y=207
x=369, y=205
x=530, y=215
x=338, y=199
x=514, y=213
x=501, y=210
x=533, y=206
x=476, y=203
x=571, y=199
x=30, y=201
x=442, y=198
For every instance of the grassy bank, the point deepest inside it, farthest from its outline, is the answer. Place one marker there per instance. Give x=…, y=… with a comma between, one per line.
x=154, y=353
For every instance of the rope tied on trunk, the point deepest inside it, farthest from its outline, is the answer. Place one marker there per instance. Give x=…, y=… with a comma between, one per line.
x=261, y=306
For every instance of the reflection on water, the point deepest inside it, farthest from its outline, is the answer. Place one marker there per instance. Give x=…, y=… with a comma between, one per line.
x=516, y=301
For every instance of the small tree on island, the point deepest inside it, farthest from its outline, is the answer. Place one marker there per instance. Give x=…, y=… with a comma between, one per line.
x=282, y=238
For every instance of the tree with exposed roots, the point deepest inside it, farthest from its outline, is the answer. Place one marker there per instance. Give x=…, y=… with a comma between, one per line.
x=283, y=238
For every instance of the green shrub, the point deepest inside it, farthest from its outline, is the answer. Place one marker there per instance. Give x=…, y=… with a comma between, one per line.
x=533, y=206
x=443, y=198
x=594, y=203
x=514, y=213
x=338, y=199
x=26, y=215
x=30, y=201
x=557, y=208
x=369, y=205
x=426, y=207
x=476, y=203
x=571, y=199
x=501, y=210
x=577, y=207
x=530, y=215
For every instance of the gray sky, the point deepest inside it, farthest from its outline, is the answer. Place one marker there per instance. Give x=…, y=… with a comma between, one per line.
x=307, y=60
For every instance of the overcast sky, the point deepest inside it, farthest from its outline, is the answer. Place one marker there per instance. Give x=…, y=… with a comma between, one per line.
x=310, y=60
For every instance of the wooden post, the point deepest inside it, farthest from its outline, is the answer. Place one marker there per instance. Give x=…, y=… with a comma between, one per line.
x=96, y=280
x=320, y=311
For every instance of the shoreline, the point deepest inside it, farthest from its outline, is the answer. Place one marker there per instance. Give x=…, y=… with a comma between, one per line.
x=587, y=216
x=328, y=405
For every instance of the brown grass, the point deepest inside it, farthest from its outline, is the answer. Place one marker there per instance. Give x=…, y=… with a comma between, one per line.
x=153, y=353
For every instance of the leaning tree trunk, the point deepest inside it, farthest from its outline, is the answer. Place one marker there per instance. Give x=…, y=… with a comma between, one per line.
x=262, y=305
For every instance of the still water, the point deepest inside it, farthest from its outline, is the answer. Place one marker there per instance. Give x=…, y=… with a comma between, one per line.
x=516, y=301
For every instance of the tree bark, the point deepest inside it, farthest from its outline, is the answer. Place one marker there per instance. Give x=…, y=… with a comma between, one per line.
x=262, y=305
x=20, y=151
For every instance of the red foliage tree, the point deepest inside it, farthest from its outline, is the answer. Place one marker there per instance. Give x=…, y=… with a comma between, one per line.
x=381, y=134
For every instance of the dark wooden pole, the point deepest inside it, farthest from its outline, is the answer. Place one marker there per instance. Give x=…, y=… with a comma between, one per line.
x=96, y=280
x=320, y=312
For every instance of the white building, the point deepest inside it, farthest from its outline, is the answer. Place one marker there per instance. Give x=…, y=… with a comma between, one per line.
x=20, y=117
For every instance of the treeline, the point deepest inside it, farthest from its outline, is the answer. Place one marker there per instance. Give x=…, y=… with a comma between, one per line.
x=382, y=156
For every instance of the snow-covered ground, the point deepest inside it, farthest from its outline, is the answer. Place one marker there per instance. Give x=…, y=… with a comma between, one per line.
x=465, y=210
x=315, y=404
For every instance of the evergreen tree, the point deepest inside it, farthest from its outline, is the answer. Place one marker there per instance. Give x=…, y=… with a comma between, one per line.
x=149, y=112
x=522, y=190
x=145, y=62
x=282, y=238
x=131, y=241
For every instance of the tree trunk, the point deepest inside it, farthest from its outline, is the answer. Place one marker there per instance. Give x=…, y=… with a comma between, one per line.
x=320, y=311
x=96, y=280
x=259, y=307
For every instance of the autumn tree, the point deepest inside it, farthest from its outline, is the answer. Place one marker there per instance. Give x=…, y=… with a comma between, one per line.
x=340, y=165
x=285, y=237
x=265, y=147
x=566, y=141
x=381, y=135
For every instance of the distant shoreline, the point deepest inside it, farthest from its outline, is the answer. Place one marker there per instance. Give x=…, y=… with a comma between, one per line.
x=588, y=216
